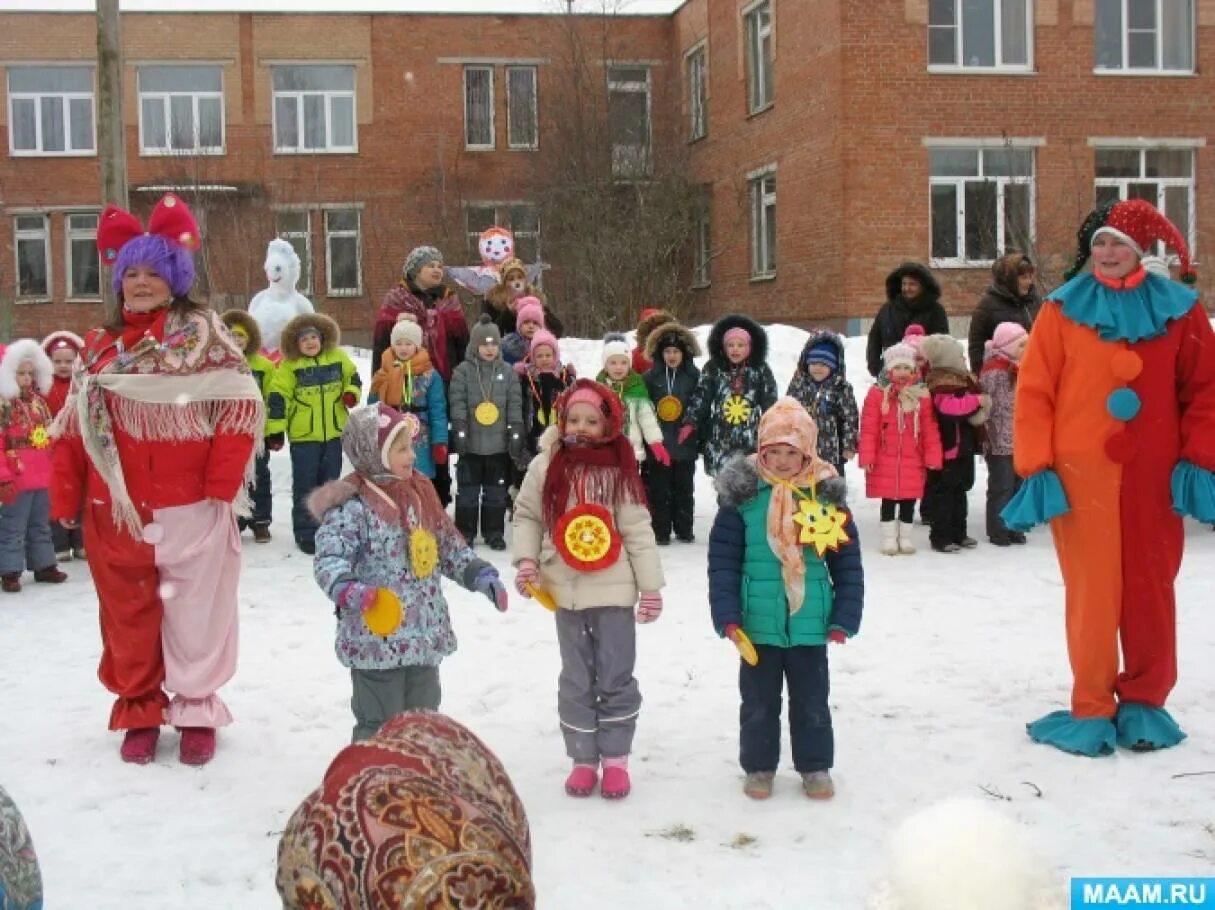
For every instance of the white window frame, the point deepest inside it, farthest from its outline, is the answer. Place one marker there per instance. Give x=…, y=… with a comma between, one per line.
x=535, y=112
x=493, y=129
x=165, y=98
x=27, y=234
x=1159, y=69
x=67, y=98
x=305, y=287
x=696, y=70
x=960, y=66
x=298, y=95
x=357, y=234
x=502, y=218
x=70, y=234
x=760, y=199
x=757, y=76
x=702, y=239
x=980, y=146
x=637, y=163
x=1122, y=184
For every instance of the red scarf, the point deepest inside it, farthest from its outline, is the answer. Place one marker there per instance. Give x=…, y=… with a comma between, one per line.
x=605, y=473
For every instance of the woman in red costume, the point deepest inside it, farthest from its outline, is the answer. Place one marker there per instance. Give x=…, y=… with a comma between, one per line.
x=156, y=444
x=1114, y=431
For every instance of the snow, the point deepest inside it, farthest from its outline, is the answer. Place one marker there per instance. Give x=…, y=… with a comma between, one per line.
x=955, y=654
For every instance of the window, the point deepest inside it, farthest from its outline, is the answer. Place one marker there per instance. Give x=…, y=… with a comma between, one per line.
x=33, y=238
x=522, y=130
x=181, y=109
x=1162, y=176
x=50, y=110
x=314, y=109
x=522, y=219
x=698, y=113
x=83, y=262
x=478, y=107
x=982, y=203
x=702, y=240
x=1144, y=35
x=978, y=34
x=343, y=250
x=294, y=226
x=758, y=31
x=629, y=120
x=763, y=224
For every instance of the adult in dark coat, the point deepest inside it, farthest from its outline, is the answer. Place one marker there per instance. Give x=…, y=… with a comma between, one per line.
x=1009, y=298
x=913, y=296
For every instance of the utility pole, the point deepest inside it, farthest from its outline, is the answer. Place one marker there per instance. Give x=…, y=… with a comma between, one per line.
x=112, y=152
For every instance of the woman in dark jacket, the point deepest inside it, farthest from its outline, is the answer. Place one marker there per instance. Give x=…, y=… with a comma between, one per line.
x=1009, y=298
x=912, y=296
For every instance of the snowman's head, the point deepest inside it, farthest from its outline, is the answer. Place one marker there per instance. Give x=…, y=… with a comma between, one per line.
x=496, y=246
x=282, y=267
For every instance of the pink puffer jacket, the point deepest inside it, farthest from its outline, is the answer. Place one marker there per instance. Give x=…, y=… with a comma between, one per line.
x=900, y=443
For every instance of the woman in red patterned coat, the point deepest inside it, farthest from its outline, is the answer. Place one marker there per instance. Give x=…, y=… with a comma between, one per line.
x=156, y=444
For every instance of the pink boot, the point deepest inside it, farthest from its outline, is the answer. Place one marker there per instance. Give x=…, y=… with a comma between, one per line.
x=615, y=778
x=139, y=745
x=582, y=780
x=197, y=745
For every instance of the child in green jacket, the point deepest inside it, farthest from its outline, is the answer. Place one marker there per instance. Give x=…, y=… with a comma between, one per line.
x=248, y=337
x=313, y=388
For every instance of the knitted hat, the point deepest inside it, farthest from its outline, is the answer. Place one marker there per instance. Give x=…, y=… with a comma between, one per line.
x=544, y=338
x=1005, y=338
x=737, y=333
x=914, y=337
x=486, y=331
x=824, y=352
x=529, y=309
x=57, y=341
x=407, y=330
x=587, y=391
x=418, y=257
x=790, y=423
x=899, y=355
x=614, y=345
x=167, y=246
x=1138, y=224
x=307, y=330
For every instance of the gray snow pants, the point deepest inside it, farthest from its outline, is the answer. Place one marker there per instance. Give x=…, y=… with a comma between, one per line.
x=597, y=697
x=380, y=695
x=25, y=533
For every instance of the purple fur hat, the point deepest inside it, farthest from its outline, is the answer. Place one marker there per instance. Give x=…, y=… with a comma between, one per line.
x=173, y=263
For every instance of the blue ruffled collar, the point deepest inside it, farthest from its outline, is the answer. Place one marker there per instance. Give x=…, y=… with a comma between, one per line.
x=1141, y=308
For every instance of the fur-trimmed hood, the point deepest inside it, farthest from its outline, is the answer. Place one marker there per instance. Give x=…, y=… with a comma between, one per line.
x=944, y=352
x=61, y=337
x=738, y=482
x=331, y=335
x=649, y=323
x=331, y=495
x=818, y=336
x=894, y=285
x=759, y=340
x=659, y=332
x=241, y=318
x=14, y=355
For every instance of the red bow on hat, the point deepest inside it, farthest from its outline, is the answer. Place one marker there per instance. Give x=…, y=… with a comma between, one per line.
x=171, y=219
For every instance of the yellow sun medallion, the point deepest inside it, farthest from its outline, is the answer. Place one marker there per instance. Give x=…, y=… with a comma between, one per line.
x=423, y=552
x=586, y=538
x=39, y=438
x=669, y=408
x=486, y=413
x=736, y=410
x=822, y=525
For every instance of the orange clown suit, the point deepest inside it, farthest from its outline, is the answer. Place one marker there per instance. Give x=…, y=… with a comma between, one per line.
x=1116, y=396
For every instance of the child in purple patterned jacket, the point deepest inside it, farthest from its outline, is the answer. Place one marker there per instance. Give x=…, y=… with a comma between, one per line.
x=998, y=378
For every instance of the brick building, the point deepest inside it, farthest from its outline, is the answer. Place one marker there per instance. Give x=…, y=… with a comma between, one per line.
x=940, y=130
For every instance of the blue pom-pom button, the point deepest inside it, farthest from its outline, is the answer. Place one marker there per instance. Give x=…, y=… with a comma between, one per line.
x=1123, y=404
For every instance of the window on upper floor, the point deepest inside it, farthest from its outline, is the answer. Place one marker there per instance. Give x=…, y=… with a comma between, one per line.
x=50, y=110
x=479, y=107
x=181, y=110
x=629, y=120
x=294, y=226
x=83, y=261
x=522, y=219
x=982, y=203
x=314, y=109
x=32, y=234
x=702, y=238
x=762, y=187
x=522, y=123
x=343, y=252
x=695, y=65
x=979, y=34
x=1144, y=36
x=1162, y=176
x=757, y=32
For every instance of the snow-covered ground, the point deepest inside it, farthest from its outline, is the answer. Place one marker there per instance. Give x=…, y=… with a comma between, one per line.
x=956, y=652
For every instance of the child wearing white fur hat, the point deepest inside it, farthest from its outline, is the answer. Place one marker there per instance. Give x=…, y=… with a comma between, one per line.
x=25, y=468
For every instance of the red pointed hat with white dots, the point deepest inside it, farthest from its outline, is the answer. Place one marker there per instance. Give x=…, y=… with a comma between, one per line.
x=1137, y=223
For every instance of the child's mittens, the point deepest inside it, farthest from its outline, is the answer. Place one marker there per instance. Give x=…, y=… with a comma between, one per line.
x=350, y=399
x=837, y=636
x=661, y=455
x=527, y=573
x=684, y=432
x=438, y=452
x=491, y=586
x=274, y=441
x=649, y=606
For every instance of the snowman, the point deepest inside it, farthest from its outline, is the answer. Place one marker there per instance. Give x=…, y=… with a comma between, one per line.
x=278, y=304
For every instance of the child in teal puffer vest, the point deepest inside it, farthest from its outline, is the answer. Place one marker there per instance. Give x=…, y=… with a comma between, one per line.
x=785, y=578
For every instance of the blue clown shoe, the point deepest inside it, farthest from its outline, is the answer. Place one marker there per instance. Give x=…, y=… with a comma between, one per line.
x=1091, y=736
x=1142, y=728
